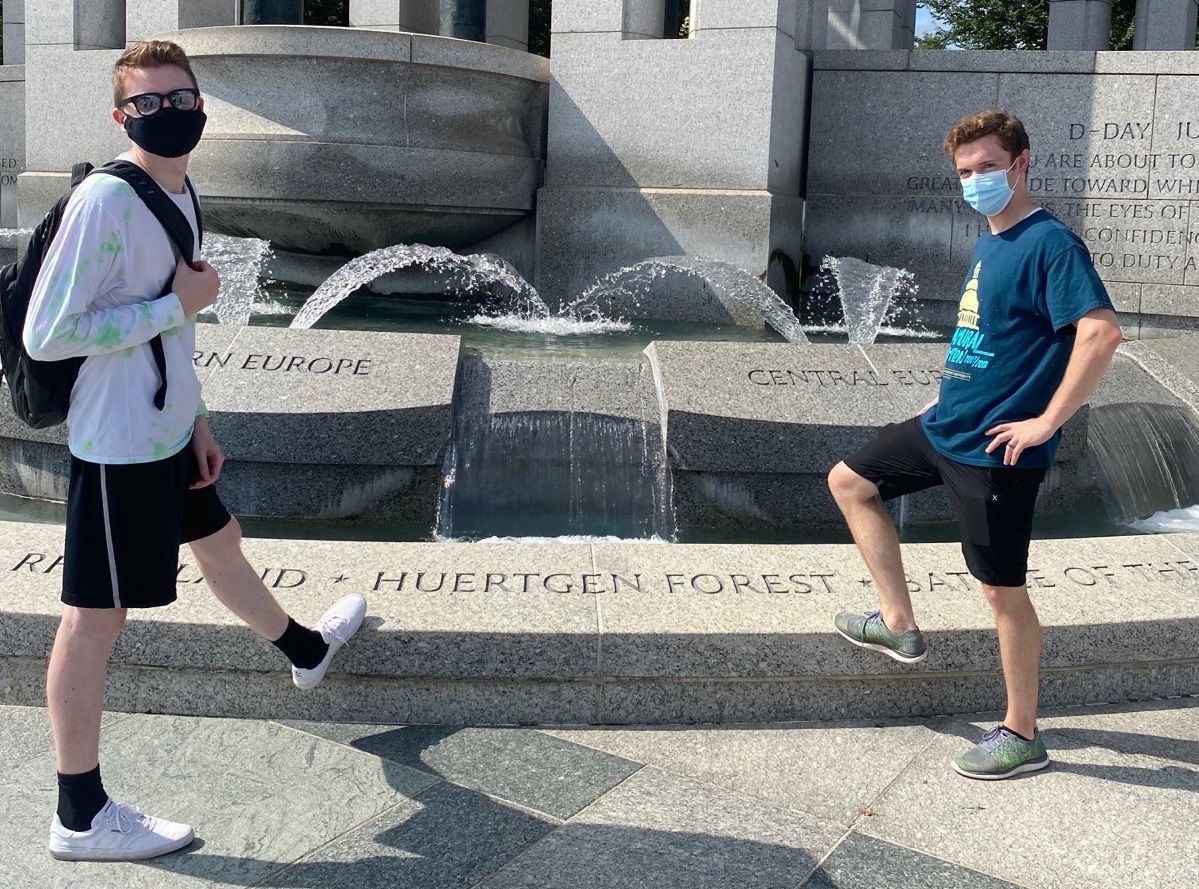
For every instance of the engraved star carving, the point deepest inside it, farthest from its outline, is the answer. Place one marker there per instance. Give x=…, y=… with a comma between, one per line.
x=340, y=578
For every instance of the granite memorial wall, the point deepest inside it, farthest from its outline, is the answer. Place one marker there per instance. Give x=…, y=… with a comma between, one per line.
x=12, y=141
x=1115, y=155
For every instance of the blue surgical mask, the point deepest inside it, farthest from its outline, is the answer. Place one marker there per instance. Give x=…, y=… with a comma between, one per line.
x=989, y=193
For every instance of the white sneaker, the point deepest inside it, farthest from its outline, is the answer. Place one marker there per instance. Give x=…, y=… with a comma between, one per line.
x=336, y=627
x=120, y=832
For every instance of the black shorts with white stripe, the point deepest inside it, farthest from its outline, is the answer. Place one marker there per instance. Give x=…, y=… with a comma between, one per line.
x=125, y=524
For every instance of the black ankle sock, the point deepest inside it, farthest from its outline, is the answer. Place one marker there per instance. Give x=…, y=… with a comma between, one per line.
x=80, y=799
x=1017, y=734
x=305, y=648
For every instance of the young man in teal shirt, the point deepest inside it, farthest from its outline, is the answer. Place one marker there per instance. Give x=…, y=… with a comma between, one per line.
x=1036, y=332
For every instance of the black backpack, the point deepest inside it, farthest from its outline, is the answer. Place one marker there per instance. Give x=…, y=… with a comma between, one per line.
x=41, y=390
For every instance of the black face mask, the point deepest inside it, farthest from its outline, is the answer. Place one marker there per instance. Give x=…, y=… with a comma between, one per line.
x=168, y=132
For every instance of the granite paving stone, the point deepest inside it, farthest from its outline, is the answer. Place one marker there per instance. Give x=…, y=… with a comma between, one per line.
x=25, y=731
x=831, y=773
x=664, y=831
x=444, y=837
x=258, y=795
x=862, y=862
x=1116, y=808
x=523, y=766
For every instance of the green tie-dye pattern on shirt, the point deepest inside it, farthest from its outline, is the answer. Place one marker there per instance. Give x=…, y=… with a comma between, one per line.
x=112, y=246
x=108, y=336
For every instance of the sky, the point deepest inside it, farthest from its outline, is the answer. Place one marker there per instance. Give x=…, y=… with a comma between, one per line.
x=924, y=21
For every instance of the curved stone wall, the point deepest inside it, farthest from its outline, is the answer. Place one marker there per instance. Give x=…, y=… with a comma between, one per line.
x=342, y=140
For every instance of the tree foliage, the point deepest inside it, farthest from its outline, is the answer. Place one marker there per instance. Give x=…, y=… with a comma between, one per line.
x=988, y=24
x=326, y=12
x=1008, y=24
x=539, y=27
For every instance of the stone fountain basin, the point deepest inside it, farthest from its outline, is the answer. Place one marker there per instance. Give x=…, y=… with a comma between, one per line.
x=343, y=140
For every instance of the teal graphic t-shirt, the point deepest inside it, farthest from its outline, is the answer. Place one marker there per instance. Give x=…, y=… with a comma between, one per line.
x=1025, y=289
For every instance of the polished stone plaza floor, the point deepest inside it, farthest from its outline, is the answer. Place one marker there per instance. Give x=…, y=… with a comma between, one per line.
x=851, y=806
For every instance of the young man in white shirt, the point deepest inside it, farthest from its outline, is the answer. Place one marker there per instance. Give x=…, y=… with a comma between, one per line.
x=142, y=474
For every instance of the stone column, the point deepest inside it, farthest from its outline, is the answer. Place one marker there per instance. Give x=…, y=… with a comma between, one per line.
x=66, y=57
x=508, y=23
x=14, y=32
x=1080, y=24
x=1165, y=24
x=646, y=19
x=272, y=12
x=464, y=19
x=650, y=155
x=837, y=24
x=887, y=24
x=145, y=18
x=722, y=15
x=417, y=16
x=100, y=25
x=631, y=19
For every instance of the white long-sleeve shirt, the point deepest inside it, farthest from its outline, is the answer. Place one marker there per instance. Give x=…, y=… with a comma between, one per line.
x=99, y=297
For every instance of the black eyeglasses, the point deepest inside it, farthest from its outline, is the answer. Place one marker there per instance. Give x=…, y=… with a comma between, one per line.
x=151, y=103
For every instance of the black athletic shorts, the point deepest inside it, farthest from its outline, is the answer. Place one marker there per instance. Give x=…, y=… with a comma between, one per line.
x=994, y=505
x=125, y=524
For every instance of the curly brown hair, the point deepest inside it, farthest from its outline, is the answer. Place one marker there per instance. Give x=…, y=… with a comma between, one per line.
x=996, y=122
x=148, y=54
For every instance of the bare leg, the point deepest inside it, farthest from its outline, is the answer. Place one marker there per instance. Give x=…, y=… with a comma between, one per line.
x=878, y=542
x=1020, y=651
x=75, y=683
x=236, y=584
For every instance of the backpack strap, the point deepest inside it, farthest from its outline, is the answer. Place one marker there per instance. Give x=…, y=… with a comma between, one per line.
x=79, y=172
x=166, y=210
x=178, y=229
x=196, y=206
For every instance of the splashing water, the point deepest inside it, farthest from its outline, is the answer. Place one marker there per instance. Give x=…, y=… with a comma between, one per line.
x=1169, y=521
x=677, y=287
x=10, y=238
x=477, y=273
x=869, y=298
x=240, y=263
x=1146, y=458
x=555, y=325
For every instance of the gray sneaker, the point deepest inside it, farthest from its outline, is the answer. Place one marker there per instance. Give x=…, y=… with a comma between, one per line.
x=869, y=631
x=1001, y=754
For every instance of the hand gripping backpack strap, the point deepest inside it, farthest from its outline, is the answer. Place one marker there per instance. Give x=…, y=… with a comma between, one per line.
x=178, y=229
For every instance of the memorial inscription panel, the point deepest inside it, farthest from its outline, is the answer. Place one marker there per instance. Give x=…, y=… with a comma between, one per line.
x=781, y=408
x=344, y=397
x=735, y=580
x=1114, y=156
